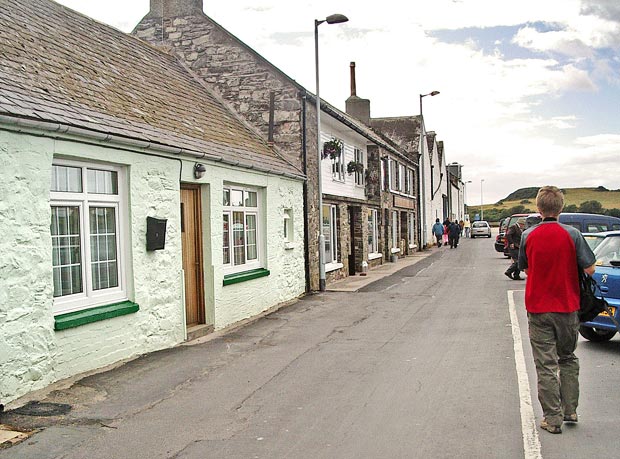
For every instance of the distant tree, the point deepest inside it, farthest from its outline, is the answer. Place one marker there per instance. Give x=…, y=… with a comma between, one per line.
x=525, y=201
x=591, y=207
x=601, y=188
x=571, y=208
x=518, y=210
x=613, y=212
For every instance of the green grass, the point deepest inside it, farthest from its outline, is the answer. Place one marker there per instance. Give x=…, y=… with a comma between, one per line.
x=576, y=196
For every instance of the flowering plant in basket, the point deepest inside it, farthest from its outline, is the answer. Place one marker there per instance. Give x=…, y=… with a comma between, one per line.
x=354, y=166
x=332, y=149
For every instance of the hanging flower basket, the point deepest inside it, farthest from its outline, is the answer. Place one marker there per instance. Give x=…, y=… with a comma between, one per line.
x=332, y=149
x=354, y=166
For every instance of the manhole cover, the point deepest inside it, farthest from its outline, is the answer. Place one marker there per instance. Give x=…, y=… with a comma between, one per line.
x=42, y=409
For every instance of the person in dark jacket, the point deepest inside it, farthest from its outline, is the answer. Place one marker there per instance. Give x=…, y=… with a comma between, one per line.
x=454, y=231
x=513, y=239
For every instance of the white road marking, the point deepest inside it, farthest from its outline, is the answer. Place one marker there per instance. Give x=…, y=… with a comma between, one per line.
x=531, y=442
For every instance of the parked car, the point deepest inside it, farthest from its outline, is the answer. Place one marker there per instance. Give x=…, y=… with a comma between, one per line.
x=594, y=239
x=607, y=276
x=480, y=228
x=499, y=239
x=586, y=223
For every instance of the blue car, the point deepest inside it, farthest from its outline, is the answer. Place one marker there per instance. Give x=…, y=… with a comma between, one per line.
x=607, y=276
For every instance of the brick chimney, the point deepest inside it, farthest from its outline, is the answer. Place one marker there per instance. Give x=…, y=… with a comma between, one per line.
x=174, y=8
x=356, y=106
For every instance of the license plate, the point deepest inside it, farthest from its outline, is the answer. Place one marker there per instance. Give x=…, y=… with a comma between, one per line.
x=611, y=308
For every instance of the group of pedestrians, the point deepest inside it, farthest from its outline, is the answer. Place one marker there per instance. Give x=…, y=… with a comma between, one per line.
x=448, y=233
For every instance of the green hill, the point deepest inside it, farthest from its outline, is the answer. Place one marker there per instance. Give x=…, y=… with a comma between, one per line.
x=595, y=200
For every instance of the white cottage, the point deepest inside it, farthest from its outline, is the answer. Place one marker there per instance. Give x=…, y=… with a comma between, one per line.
x=135, y=208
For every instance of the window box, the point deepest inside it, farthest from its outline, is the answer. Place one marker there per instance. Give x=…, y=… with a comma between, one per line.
x=87, y=316
x=236, y=278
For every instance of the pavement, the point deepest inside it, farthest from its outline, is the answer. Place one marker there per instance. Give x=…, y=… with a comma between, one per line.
x=355, y=283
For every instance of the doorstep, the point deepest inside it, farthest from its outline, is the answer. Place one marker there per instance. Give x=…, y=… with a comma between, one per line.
x=198, y=331
x=11, y=437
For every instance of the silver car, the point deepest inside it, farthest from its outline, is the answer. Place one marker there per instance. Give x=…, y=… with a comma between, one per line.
x=480, y=228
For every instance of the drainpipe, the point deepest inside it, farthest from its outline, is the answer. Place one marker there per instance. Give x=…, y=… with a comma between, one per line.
x=305, y=170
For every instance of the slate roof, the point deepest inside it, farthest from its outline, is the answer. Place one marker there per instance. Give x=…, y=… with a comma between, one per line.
x=59, y=66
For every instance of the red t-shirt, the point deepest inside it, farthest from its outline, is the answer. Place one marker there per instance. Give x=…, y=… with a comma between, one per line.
x=551, y=252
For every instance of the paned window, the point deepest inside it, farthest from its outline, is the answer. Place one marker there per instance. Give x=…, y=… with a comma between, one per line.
x=395, y=235
x=338, y=167
x=240, y=248
x=88, y=212
x=402, y=173
x=288, y=225
x=411, y=228
x=393, y=175
x=358, y=156
x=373, y=233
x=330, y=233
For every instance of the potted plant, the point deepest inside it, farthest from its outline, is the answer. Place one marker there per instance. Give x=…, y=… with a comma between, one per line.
x=354, y=166
x=332, y=149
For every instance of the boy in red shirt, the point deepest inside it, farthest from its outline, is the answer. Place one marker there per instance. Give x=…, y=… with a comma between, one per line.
x=551, y=254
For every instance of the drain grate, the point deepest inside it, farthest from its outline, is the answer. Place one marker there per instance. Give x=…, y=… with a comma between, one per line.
x=42, y=409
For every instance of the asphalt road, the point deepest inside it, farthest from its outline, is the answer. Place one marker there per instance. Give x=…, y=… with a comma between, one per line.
x=431, y=362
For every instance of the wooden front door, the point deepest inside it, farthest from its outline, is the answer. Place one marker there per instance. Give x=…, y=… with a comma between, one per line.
x=191, y=235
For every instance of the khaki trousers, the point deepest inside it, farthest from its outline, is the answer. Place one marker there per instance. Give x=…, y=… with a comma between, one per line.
x=553, y=337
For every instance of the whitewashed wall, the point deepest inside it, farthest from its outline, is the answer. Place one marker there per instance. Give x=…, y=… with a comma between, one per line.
x=228, y=304
x=32, y=354
x=331, y=128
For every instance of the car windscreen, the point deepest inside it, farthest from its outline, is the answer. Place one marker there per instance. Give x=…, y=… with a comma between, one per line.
x=593, y=241
x=608, y=252
x=480, y=225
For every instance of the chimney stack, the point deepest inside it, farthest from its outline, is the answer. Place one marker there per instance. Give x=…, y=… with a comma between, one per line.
x=355, y=106
x=353, y=89
x=175, y=8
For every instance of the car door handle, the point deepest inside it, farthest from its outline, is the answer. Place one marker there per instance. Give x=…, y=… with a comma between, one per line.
x=604, y=289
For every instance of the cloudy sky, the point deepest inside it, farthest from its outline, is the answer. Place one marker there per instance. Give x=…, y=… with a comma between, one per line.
x=530, y=89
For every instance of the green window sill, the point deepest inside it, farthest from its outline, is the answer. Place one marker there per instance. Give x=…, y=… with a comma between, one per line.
x=245, y=276
x=87, y=316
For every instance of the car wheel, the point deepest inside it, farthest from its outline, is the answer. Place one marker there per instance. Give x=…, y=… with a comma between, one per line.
x=489, y=235
x=596, y=335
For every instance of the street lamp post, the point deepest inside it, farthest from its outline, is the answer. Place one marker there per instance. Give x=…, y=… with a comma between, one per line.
x=481, y=209
x=422, y=174
x=333, y=19
x=465, y=193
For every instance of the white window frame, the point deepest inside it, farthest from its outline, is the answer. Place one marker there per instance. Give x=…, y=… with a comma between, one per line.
x=90, y=298
x=338, y=172
x=231, y=267
x=411, y=229
x=383, y=174
x=402, y=172
x=373, y=231
x=358, y=156
x=329, y=210
x=395, y=232
x=393, y=168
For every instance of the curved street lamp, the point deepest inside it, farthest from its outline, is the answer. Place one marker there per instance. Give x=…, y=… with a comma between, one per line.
x=422, y=207
x=332, y=19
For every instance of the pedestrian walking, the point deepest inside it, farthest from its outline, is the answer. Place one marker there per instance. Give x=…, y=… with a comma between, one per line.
x=467, y=226
x=462, y=225
x=454, y=230
x=438, y=232
x=513, y=240
x=552, y=254
x=446, y=230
